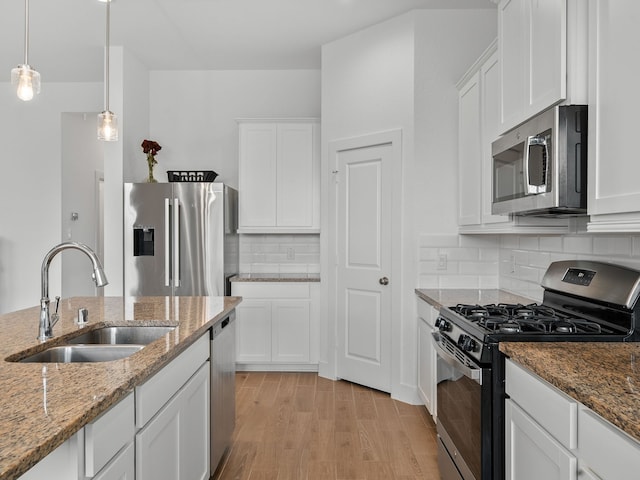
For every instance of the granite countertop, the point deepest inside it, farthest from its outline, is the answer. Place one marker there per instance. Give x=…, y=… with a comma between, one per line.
x=276, y=277
x=601, y=375
x=450, y=297
x=45, y=404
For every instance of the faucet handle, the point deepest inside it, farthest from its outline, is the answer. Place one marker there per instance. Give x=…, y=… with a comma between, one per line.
x=54, y=316
x=57, y=304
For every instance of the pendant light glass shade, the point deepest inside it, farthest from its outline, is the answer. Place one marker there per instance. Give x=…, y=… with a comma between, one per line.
x=107, y=120
x=107, y=126
x=25, y=78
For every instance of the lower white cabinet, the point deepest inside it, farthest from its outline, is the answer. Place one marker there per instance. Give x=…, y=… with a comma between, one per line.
x=427, y=356
x=175, y=443
x=531, y=453
x=159, y=432
x=277, y=325
x=549, y=435
x=122, y=467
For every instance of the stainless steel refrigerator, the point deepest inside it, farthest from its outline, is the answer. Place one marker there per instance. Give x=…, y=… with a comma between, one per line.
x=180, y=238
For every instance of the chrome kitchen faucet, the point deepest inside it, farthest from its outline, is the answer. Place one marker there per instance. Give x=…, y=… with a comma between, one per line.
x=45, y=330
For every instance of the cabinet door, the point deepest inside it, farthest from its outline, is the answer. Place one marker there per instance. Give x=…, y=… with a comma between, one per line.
x=469, y=152
x=547, y=48
x=290, y=331
x=253, y=319
x=122, y=467
x=490, y=122
x=613, y=100
x=175, y=443
x=427, y=359
x=531, y=453
x=257, y=175
x=295, y=175
x=512, y=47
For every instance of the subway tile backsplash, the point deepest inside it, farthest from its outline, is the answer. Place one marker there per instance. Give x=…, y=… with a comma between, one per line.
x=515, y=263
x=276, y=253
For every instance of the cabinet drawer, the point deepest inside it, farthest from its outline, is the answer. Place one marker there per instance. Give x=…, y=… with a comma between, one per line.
x=153, y=394
x=427, y=312
x=106, y=435
x=271, y=289
x=553, y=410
x=606, y=450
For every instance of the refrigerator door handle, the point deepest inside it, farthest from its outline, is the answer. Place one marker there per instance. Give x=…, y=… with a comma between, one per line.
x=176, y=242
x=167, y=244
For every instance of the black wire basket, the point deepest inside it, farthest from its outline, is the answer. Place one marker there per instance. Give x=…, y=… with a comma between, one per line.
x=191, y=175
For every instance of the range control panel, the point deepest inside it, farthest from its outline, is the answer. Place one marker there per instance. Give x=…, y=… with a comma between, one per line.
x=579, y=276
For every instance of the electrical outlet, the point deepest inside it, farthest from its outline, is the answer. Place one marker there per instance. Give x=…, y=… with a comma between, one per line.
x=442, y=261
x=291, y=253
x=512, y=260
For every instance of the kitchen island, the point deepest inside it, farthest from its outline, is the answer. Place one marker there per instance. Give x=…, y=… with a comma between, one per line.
x=44, y=404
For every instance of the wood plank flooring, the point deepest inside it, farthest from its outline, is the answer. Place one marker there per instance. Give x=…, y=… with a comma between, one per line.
x=297, y=426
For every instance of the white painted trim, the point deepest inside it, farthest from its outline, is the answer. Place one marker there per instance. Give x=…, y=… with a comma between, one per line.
x=277, y=367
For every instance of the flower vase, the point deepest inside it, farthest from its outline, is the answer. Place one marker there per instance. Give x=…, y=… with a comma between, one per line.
x=150, y=179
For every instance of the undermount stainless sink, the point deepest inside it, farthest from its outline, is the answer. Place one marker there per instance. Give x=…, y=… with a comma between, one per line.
x=82, y=353
x=125, y=335
x=103, y=344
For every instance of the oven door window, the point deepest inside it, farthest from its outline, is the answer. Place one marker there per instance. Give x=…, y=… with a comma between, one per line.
x=459, y=412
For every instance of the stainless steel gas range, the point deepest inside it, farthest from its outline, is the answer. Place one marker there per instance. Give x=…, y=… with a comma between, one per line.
x=583, y=301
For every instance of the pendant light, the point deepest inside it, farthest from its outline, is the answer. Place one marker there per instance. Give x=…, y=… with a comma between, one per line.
x=25, y=78
x=107, y=120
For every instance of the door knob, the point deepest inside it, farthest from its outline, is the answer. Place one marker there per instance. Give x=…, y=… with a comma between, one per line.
x=384, y=281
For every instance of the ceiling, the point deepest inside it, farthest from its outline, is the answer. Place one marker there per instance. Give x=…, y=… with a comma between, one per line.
x=67, y=36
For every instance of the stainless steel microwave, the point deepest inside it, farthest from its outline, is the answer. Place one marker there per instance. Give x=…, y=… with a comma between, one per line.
x=540, y=167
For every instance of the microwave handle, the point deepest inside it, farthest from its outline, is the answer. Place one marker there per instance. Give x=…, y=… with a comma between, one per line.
x=534, y=189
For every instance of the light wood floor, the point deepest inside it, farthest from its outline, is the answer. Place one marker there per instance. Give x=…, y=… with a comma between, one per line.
x=297, y=426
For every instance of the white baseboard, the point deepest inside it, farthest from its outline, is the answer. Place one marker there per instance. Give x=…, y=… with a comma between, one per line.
x=276, y=367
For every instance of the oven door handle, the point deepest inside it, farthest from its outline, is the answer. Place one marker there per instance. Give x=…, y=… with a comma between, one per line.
x=474, y=374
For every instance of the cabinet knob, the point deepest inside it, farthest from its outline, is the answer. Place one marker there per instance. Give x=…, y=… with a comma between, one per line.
x=384, y=281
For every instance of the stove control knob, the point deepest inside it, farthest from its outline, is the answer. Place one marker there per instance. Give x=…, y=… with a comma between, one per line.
x=442, y=324
x=466, y=343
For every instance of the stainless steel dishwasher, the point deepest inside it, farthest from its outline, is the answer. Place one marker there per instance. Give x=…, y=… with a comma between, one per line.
x=223, y=387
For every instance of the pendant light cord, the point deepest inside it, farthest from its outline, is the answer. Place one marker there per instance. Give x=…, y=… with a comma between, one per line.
x=106, y=58
x=26, y=32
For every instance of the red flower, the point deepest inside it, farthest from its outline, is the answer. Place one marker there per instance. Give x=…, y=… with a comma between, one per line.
x=151, y=147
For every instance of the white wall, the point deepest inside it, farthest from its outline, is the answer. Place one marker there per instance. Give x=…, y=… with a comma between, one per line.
x=30, y=195
x=402, y=74
x=192, y=114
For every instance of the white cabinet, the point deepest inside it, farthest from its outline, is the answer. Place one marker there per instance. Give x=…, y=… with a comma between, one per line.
x=175, y=443
x=277, y=325
x=478, y=127
x=279, y=176
x=427, y=356
x=550, y=435
x=541, y=428
x=605, y=452
x=614, y=190
x=172, y=409
x=542, y=48
x=531, y=453
x=122, y=467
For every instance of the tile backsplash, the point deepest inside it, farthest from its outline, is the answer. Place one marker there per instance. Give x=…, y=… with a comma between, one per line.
x=458, y=261
x=515, y=263
x=275, y=253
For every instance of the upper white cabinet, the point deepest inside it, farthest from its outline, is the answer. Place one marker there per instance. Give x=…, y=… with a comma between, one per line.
x=478, y=126
x=279, y=176
x=542, y=49
x=614, y=190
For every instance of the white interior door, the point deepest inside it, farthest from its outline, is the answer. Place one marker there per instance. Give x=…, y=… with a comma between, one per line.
x=364, y=264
